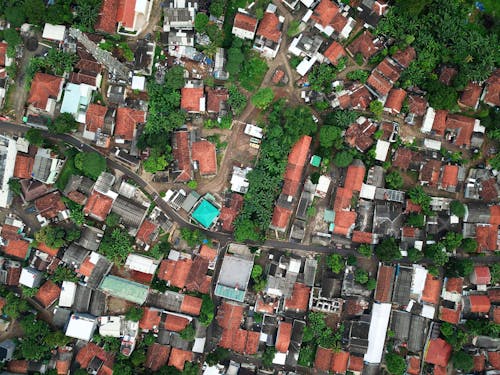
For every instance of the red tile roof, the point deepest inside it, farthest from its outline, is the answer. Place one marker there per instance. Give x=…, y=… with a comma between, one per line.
x=494, y=359
x=432, y=289
x=150, y=319
x=464, y=126
x=494, y=295
x=127, y=120
x=362, y=237
x=284, y=336
x=175, y=272
x=496, y=314
x=492, y=95
x=404, y=58
x=205, y=154
x=215, y=98
x=63, y=364
x=395, y=100
x=91, y=350
x=157, y=356
x=339, y=362
x=355, y=363
x=175, y=323
x=48, y=294
x=323, y=359
x=470, y=96
x=24, y=166
x=339, y=22
x=229, y=214
x=281, y=217
x=252, y=345
x=245, y=22
x=495, y=215
x=299, y=299
x=126, y=13
x=486, y=237
x=179, y=357
x=430, y=172
x=98, y=206
x=379, y=83
x=384, y=284
x=334, y=52
x=197, y=279
x=440, y=370
x=269, y=27
x=86, y=267
x=343, y=198
x=230, y=316
x=344, y=221
x=17, y=248
x=106, y=21
x=191, y=305
x=360, y=135
x=147, y=232
x=10, y=232
x=450, y=315
x=413, y=366
x=360, y=98
x=18, y=366
x=364, y=44
x=479, y=362
x=489, y=190
x=297, y=159
x=3, y=53
x=262, y=306
x=439, y=124
x=182, y=155
x=50, y=205
x=450, y=176
x=208, y=253
x=417, y=104
x=325, y=12
x=48, y=250
x=454, y=285
x=438, y=352
x=354, y=177
x=389, y=70
x=94, y=118
x=43, y=87
x=479, y=303
x=481, y=275
x=191, y=99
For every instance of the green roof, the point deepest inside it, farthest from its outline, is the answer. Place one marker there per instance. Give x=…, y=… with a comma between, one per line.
x=230, y=293
x=125, y=289
x=329, y=216
x=205, y=213
x=315, y=161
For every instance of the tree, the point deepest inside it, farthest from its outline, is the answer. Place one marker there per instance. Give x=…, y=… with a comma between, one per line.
x=441, y=96
x=365, y=250
x=91, y=164
x=376, y=107
x=219, y=355
x=207, y=310
x=330, y=135
x=87, y=12
x=342, y=119
x=388, y=250
x=217, y=8
x=112, y=220
x=193, y=184
x=64, y=123
x=462, y=361
x=343, y=159
x=371, y=284
x=256, y=271
x=415, y=255
x=188, y=333
x=63, y=274
x=457, y=208
x=335, y=262
x=456, y=267
x=452, y=240
x=237, y=100
x=56, y=339
x=395, y=364
x=155, y=162
x=134, y=314
x=77, y=215
x=394, y=180
x=116, y=245
x=34, y=137
x=437, y=253
x=495, y=273
x=321, y=77
x=174, y=78
x=268, y=356
x=358, y=75
x=15, y=15
x=192, y=237
x=200, y=22
x=469, y=245
x=28, y=292
x=52, y=236
x=415, y=220
x=262, y=98
x=419, y=196
x=14, y=306
x=15, y=186
x=160, y=249
x=34, y=11
x=361, y=276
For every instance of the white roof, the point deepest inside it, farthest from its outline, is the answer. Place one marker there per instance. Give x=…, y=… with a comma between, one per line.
x=141, y=6
x=367, y=191
x=454, y=219
x=418, y=280
x=81, y=327
x=110, y=326
x=279, y=358
x=254, y=131
x=138, y=83
x=428, y=120
x=141, y=263
x=307, y=3
x=432, y=144
x=294, y=265
x=30, y=277
x=54, y=32
x=381, y=150
x=199, y=345
x=378, y=329
x=305, y=65
x=67, y=296
x=428, y=311
x=308, y=14
x=478, y=128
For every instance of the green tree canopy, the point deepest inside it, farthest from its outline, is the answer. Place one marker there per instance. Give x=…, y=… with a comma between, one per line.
x=262, y=98
x=64, y=123
x=365, y=250
x=361, y=276
x=341, y=119
x=237, y=100
x=462, y=361
x=188, y=333
x=200, y=22
x=329, y=136
x=456, y=267
x=452, y=240
x=343, y=159
x=377, y=108
x=387, y=250
x=457, y=208
x=469, y=245
x=34, y=137
x=437, y=253
x=395, y=364
x=116, y=245
x=91, y=164
x=415, y=220
x=134, y=314
x=155, y=162
x=394, y=180
x=321, y=77
x=335, y=262
x=207, y=310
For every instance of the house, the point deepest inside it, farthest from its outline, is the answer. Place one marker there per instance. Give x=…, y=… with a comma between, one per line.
x=31, y=277
x=371, y=11
x=328, y=19
x=132, y=212
x=230, y=211
x=17, y=248
x=491, y=93
x=394, y=101
x=7, y=164
x=365, y=44
x=24, y=165
x=298, y=302
x=268, y=35
x=449, y=178
x=98, y=206
x=179, y=15
x=157, y=356
x=376, y=335
x=76, y=100
x=204, y=156
x=47, y=166
x=81, y=327
x=95, y=360
x=233, y=285
x=127, y=120
x=217, y=100
x=45, y=92
x=87, y=70
x=132, y=16
x=99, y=124
x=438, y=352
x=417, y=105
x=48, y=294
x=50, y=206
x=193, y=97
x=55, y=33
x=480, y=277
x=334, y=52
x=7, y=348
x=244, y=25
x=447, y=75
x=360, y=134
x=124, y=289
x=147, y=233
x=470, y=96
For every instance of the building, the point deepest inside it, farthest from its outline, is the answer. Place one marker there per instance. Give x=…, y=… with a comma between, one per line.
x=8, y=152
x=179, y=15
x=268, y=36
x=47, y=166
x=76, y=99
x=193, y=97
x=204, y=157
x=127, y=121
x=81, y=326
x=7, y=349
x=205, y=213
x=124, y=289
x=45, y=92
x=244, y=26
x=378, y=329
x=232, y=285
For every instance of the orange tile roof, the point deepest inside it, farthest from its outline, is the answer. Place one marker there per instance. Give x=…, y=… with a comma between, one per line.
x=384, y=284
x=48, y=294
x=208, y=253
x=262, y=306
x=364, y=44
x=343, y=199
x=146, y=232
x=106, y=21
x=281, y=217
x=269, y=27
x=180, y=273
x=463, y=125
x=63, y=365
x=479, y=362
x=252, y=345
x=50, y=205
x=486, y=237
x=43, y=87
x=356, y=363
x=447, y=75
x=229, y=316
x=379, y=83
x=417, y=104
x=412, y=207
x=245, y=22
x=439, y=123
x=204, y=152
x=440, y=370
x=98, y=206
x=324, y=12
x=191, y=99
x=354, y=177
x=323, y=359
x=495, y=215
x=175, y=323
x=166, y=269
x=150, y=319
x=489, y=190
x=339, y=362
x=360, y=98
x=197, y=277
x=409, y=232
x=91, y=350
x=450, y=315
x=432, y=289
x=24, y=166
x=17, y=248
x=494, y=295
x=454, y=284
x=413, y=366
x=494, y=359
x=182, y=156
x=404, y=58
x=157, y=356
x=18, y=366
x=179, y=357
x=284, y=336
x=86, y=267
x=450, y=176
x=191, y=305
x=344, y=221
x=297, y=159
x=430, y=172
x=395, y=100
x=126, y=13
x=3, y=53
x=10, y=232
x=299, y=299
x=438, y=352
x=470, y=95
x=94, y=118
x=482, y=275
x=362, y=237
x=404, y=157
x=215, y=97
x=479, y=303
x=127, y=120
x=48, y=250
x=496, y=314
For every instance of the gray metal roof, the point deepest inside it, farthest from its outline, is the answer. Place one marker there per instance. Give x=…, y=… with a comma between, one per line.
x=402, y=286
x=101, y=269
x=75, y=255
x=131, y=213
x=418, y=331
x=82, y=298
x=169, y=300
x=400, y=324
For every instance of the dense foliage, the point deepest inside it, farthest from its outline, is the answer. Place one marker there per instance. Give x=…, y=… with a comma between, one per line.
x=388, y=250
x=395, y=363
x=64, y=123
x=116, y=245
x=56, y=236
x=91, y=164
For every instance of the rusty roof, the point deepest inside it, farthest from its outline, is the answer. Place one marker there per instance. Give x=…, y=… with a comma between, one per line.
x=447, y=74
x=395, y=100
x=360, y=135
x=413, y=365
x=439, y=123
x=339, y=362
x=470, y=95
x=489, y=190
x=389, y=70
x=438, y=352
x=494, y=359
x=486, y=237
x=175, y=323
x=463, y=126
x=479, y=362
x=417, y=104
x=343, y=198
x=146, y=232
x=404, y=58
x=204, y=152
x=355, y=363
x=430, y=172
x=215, y=98
x=24, y=166
x=324, y=12
x=334, y=52
x=191, y=305
x=385, y=280
x=229, y=315
x=91, y=350
x=479, y=303
x=450, y=315
x=98, y=206
x=323, y=359
x=157, y=356
x=355, y=177
x=281, y=217
x=482, y=275
x=50, y=205
x=450, y=176
x=48, y=294
x=182, y=156
x=208, y=253
x=379, y=83
x=454, y=285
x=297, y=159
x=432, y=289
x=197, y=277
x=179, y=357
x=344, y=221
x=362, y=237
x=495, y=215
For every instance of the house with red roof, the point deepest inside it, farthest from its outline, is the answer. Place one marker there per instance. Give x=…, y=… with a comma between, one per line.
x=417, y=105
x=182, y=156
x=334, y=52
x=477, y=304
x=98, y=206
x=48, y=294
x=283, y=337
x=360, y=134
x=24, y=165
x=127, y=120
x=147, y=233
x=365, y=44
x=193, y=97
x=244, y=26
x=438, y=352
x=449, y=178
x=100, y=124
x=491, y=93
x=328, y=19
x=5, y=61
x=204, y=155
x=470, y=96
x=50, y=205
x=132, y=16
x=268, y=35
x=394, y=101
x=107, y=18
x=18, y=248
x=481, y=277
x=299, y=300
x=45, y=92
x=217, y=100
x=157, y=356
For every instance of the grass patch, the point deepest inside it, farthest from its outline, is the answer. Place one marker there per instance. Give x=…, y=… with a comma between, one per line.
x=252, y=74
x=68, y=169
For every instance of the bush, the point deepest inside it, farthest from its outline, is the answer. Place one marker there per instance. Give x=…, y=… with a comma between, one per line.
x=361, y=276
x=335, y=262
x=365, y=250
x=343, y=159
x=188, y=333
x=134, y=314
x=457, y=208
x=193, y=184
x=388, y=250
x=396, y=364
x=262, y=98
x=91, y=164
